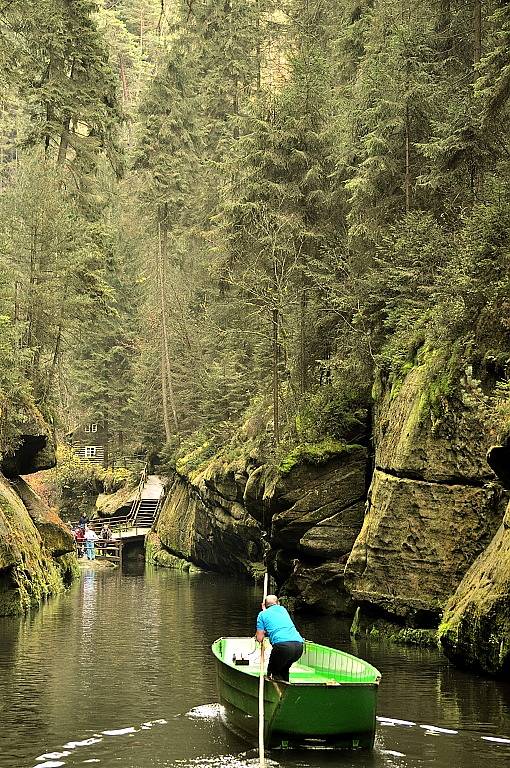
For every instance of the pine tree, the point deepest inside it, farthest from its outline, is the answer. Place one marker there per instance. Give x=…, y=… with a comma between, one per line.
x=65, y=79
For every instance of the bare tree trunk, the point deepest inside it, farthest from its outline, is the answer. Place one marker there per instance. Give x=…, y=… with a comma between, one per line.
x=64, y=143
x=477, y=31
x=164, y=396
x=444, y=26
x=123, y=79
x=32, y=283
x=168, y=367
x=476, y=177
x=258, y=51
x=54, y=362
x=276, y=382
x=16, y=301
x=408, y=165
x=64, y=136
x=302, y=341
x=56, y=349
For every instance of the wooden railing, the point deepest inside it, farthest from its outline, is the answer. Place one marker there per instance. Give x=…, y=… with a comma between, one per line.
x=135, y=506
x=159, y=507
x=119, y=523
x=104, y=549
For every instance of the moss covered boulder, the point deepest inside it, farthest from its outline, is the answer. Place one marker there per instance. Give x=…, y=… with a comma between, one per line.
x=36, y=553
x=475, y=630
x=57, y=537
x=204, y=522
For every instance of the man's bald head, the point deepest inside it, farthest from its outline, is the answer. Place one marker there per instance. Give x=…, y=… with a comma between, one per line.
x=271, y=600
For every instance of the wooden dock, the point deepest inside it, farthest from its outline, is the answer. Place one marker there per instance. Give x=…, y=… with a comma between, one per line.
x=110, y=550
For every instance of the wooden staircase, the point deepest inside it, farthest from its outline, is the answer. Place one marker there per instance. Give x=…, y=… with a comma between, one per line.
x=145, y=513
x=148, y=501
x=144, y=509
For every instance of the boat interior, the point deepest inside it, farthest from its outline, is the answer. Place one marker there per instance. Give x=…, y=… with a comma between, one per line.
x=317, y=665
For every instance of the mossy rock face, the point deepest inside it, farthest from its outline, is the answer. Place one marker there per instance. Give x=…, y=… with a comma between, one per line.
x=156, y=554
x=57, y=537
x=216, y=518
x=426, y=430
x=389, y=630
x=36, y=450
x=319, y=588
x=318, y=510
x=28, y=571
x=417, y=541
x=475, y=630
x=201, y=525
x=110, y=503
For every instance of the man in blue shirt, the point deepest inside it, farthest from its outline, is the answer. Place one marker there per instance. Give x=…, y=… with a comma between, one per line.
x=275, y=622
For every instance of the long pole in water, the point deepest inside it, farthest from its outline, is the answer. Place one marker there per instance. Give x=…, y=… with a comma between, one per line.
x=262, y=759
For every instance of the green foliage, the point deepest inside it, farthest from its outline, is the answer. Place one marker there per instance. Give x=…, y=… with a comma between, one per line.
x=64, y=77
x=189, y=456
x=77, y=483
x=310, y=196
x=427, y=638
x=191, y=459
x=15, y=390
x=314, y=453
x=500, y=409
x=333, y=412
x=472, y=288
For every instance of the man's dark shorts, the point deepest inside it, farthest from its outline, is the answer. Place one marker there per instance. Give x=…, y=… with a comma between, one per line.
x=283, y=655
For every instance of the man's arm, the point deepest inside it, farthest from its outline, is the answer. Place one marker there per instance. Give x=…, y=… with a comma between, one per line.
x=260, y=635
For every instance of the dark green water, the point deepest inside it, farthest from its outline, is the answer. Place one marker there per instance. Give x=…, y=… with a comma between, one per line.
x=118, y=673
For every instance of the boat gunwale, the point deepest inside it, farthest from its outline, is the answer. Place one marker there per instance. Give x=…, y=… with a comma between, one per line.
x=254, y=674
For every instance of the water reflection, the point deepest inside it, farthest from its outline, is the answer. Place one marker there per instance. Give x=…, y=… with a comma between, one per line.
x=118, y=671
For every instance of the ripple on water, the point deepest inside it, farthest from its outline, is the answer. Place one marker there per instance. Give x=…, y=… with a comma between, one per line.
x=496, y=739
x=205, y=712
x=50, y=764
x=224, y=761
x=52, y=755
x=120, y=731
x=434, y=729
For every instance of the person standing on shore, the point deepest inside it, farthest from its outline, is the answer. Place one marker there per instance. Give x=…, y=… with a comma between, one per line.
x=79, y=534
x=105, y=535
x=83, y=521
x=90, y=539
x=287, y=644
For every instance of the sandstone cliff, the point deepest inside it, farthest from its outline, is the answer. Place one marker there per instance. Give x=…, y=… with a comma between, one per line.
x=434, y=503
x=475, y=630
x=36, y=549
x=204, y=522
x=434, y=506
x=312, y=513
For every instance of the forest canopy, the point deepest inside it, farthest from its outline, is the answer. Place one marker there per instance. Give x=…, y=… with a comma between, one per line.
x=218, y=211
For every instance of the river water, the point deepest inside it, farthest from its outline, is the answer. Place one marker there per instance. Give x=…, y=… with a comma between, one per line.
x=118, y=672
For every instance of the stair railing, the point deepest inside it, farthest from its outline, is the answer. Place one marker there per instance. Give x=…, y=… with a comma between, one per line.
x=135, y=506
x=159, y=507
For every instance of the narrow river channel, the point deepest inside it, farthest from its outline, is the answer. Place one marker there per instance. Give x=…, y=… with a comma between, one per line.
x=118, y=672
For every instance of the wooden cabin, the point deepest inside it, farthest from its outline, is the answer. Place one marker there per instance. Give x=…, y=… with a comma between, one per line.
x=90, y=442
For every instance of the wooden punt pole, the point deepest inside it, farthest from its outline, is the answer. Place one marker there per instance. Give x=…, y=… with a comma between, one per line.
x=262, y=759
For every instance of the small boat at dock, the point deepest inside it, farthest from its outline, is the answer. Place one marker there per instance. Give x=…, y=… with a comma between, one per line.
x=329, y=701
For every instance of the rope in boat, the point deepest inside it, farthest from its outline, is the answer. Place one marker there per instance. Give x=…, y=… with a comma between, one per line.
x=262, y=759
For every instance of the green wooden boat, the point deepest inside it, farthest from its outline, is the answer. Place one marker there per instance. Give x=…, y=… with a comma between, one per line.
x=330, y=700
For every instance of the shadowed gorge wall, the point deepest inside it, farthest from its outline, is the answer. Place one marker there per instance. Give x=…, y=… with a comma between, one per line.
x=37, y=555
